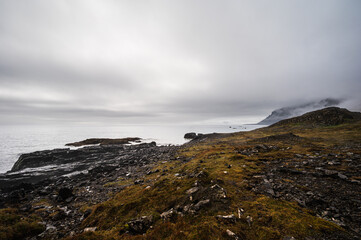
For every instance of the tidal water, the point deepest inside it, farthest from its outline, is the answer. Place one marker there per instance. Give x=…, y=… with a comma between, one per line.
x=15, y=140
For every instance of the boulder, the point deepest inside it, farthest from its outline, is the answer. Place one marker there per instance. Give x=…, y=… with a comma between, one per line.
x=191, y=135
x=65, y=194
x=169, y=215
x=90, y=229
x=140, y=225
x=229, y=218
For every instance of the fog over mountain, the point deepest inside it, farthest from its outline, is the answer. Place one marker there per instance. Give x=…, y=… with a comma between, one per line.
x=298, y=110
x=87, y=61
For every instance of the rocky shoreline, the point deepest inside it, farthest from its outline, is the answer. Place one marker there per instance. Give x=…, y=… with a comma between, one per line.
x=76, y=177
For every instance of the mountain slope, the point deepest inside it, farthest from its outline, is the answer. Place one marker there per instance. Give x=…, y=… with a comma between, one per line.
x=327, y=117
x=294, y=111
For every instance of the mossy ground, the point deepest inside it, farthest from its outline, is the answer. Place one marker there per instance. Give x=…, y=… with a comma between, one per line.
x=13, y=226
x=271, y=218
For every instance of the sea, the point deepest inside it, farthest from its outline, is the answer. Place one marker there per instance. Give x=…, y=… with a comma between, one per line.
x=16, y=140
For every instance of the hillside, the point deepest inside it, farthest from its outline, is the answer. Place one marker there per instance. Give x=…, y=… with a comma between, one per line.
x=324, y=117
x=298, y=110
x=297, y=179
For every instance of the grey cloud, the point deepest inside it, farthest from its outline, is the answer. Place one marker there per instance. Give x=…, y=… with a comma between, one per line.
x=156, y=61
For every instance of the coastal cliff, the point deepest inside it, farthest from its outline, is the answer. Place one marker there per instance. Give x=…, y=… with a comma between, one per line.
x=297, y=179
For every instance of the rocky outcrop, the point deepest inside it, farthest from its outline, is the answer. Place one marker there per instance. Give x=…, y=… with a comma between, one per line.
x=63, y=179
x=191, y=135
x=104, y=141
x=92, y=161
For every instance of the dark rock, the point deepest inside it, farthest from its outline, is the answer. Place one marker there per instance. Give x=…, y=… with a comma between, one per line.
x=26, y=208
x=60, y=215
x=141, y=225
x=202, y=204
x=191, y=135
x=104, y=141
x=343, y=177
x=139, y=181
x=64, y=194
x=87, y=213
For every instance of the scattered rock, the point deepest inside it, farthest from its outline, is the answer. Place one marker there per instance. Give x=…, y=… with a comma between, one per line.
x=249, y=220
x=201, y=204
x=138, y=181
x=229, y=218
x=169, y=215
x=232, y=234
x=90, y=229
x=288, y=238
x=192, y=190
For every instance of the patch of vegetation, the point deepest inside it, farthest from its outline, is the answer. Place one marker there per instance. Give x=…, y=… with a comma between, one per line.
x=15, y=227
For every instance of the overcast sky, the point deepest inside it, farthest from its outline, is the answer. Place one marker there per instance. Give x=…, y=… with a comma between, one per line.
x=69, y=61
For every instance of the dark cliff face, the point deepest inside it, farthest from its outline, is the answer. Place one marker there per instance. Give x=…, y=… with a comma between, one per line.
x=294, y=111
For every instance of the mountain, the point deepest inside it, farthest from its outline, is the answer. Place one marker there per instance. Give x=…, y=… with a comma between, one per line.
x=330, y=116
x=297, y=110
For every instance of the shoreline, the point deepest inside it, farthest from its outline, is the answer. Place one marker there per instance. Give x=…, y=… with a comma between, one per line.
x=23, y=139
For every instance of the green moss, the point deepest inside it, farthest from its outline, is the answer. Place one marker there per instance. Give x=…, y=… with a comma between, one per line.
x=13, y=226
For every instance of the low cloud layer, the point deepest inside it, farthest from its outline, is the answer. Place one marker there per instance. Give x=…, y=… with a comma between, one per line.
x=174, y=61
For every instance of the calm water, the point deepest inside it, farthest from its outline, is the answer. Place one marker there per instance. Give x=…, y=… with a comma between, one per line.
x=16, y=140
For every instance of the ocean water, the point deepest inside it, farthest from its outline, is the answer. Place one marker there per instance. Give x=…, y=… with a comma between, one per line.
x=15, y=140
